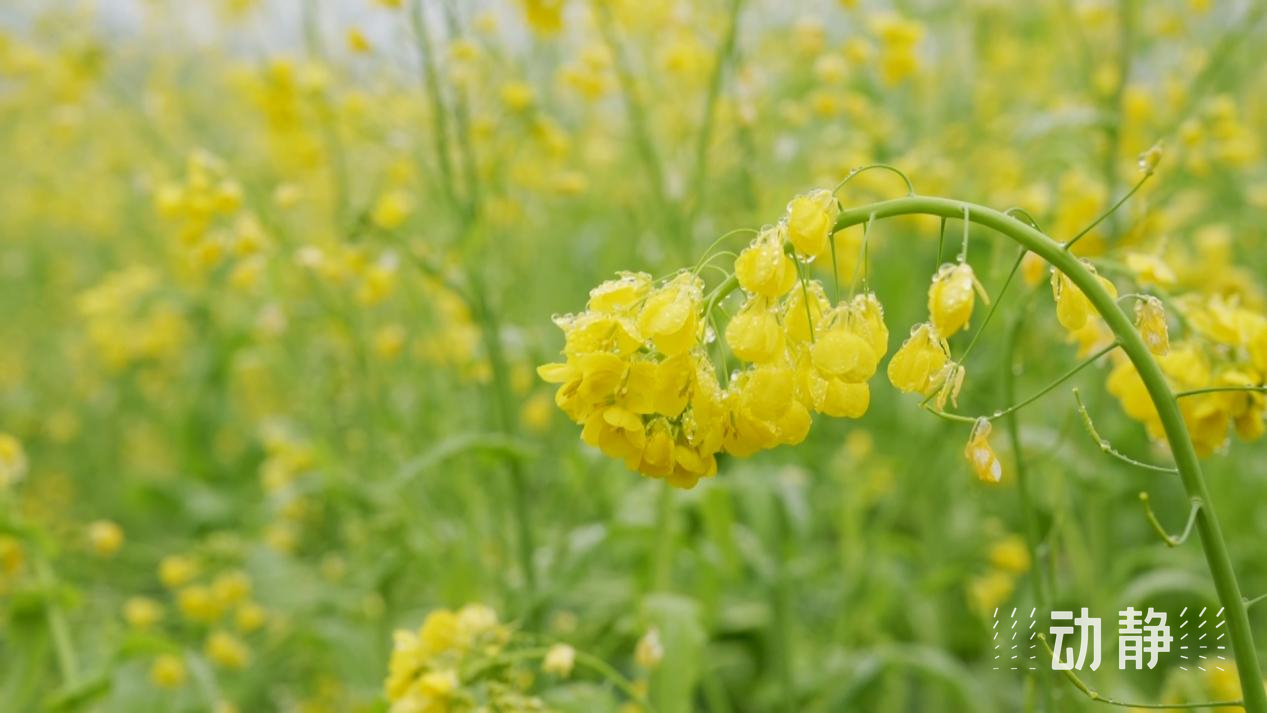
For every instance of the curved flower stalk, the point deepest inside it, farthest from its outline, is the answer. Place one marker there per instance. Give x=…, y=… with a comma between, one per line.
x=639, y=374
x=1164, y=399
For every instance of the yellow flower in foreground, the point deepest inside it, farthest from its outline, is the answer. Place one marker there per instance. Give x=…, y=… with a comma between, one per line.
x=763, y=268
x=1073, y=309
x=985, y=463
x=811, y=220
x=918, y=363
x=670, y=316
x=754, y=334
x=951, y=298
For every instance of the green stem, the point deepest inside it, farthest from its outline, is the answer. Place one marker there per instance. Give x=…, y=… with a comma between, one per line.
x=1220, y=389
x=1213, y=544
x=662, y=565
x=1106, y=447
x=1042, y=587
x=781, y=596
x=504, y=402
x=998, y=298
x=593, y=663
x=638, y=123
x=725, y=51
x=1112, y=209
x=62, y=643
x=1018, y=406
x=1166, y=537
x=1098, y=697
x=431, y=82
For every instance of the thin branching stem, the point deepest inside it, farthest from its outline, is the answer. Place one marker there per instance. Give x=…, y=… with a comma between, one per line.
x=1098, y=697
x=1112, y=209
x=1166, y=537
x=910, y=187
x=1213, y=544
x=998, y=298
x=1041, y=393
x=1221, y=389
x=1107, y=447
x=725, y=52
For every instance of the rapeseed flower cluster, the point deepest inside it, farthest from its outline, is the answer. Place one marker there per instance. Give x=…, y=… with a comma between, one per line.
x=451, y=665
x=217, y=606
x=1223, y=356
x=639, y=378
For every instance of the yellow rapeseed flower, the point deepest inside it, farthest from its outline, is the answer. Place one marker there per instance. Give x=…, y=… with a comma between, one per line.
x=951, y=298
x=918, y=363
x=811, y=220
x=1150, y=320
x=985, y=463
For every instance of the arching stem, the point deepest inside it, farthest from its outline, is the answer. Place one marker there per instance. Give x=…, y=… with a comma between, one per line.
x=1132, y=344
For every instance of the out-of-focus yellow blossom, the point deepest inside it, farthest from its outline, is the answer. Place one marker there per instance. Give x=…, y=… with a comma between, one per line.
x=12, y=560
x=230, y=588
x=899, y=39
x=1033, y=268
x=389, y=341
x=517, y=96
x=811, y=220
x=13, y=462
x=142, y=612
x=545, y=17
x=985, y=462
x=1010, y=554
x=357, y=41
x=105, y=537
x=176, y=570
x=536, y=412
x=990, y=590
x=559, y=660
x=918, y=365
x=1150, y=320
x=391, y=209
x=227, y=651
x=197, y=603
x=1150, y=270
x=249, y=617
x=168, y=671
x=649, y=652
